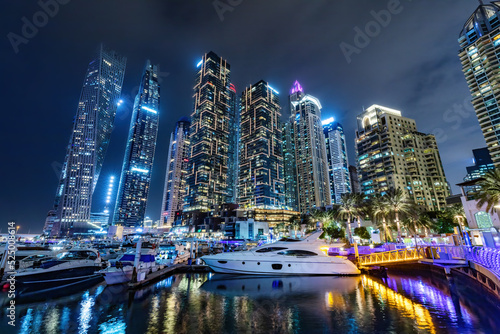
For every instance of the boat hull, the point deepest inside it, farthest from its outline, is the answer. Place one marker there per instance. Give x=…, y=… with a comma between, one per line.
x=318, y=266
x=43, y=280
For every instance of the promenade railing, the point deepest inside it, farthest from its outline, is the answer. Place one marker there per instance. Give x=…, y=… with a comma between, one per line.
x=484, y=256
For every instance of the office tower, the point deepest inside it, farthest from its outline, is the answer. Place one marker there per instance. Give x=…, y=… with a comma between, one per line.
x=88, y=143
x=392, y=154
x=291, y=200
x=139, y=154
x=261, y=183
x=353, y=175
x=210, y=157
x=482, y=164
x=234, y=133
x=175, y=178
x=313, y=185
x=336, y=154
x=479, y=54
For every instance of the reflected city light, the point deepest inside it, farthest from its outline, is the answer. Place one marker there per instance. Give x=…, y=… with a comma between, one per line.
x=405, y=305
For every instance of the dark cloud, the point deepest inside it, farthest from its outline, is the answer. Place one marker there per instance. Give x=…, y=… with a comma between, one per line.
x=411, y=64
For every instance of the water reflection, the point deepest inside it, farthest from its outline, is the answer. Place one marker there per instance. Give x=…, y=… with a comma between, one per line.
x=214, y=303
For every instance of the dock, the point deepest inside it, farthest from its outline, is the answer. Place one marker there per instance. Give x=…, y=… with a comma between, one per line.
x=162, y=273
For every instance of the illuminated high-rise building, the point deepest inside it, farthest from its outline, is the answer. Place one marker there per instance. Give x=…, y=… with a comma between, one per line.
x=212, y=123
x=234, y=134
x=139, y=154
x=313, y=184
x=291, y=200
x=88, y=143
x=175, y=178
x=336, y=153
x=480, y=56
x=261, y=175
x=392, y=154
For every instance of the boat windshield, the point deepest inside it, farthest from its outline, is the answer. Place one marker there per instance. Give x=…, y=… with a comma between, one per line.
x=78, y=255
x=289, y=240
x=269, y=249
x=297, y=252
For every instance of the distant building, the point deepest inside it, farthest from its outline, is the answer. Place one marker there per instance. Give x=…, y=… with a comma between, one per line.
x=482, y=164
x=353, y=175
x=336, y=154
x=88, y=143
x=212, y=123
x=234, y=137
x=49, y=224
x=313, y=184
x=392, y=154
x=480, y=54
x=250, y=229
x=174, y=189
x=135, y=180
x=261, y=183
x=271, y=216
x=99, y=221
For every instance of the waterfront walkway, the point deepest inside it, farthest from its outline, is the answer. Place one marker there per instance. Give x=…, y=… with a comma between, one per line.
x=443, y=256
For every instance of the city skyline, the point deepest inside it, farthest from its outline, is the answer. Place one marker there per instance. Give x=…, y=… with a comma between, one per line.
x=343, y=108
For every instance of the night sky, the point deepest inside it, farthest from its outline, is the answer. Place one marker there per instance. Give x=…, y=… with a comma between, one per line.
x=411, y=64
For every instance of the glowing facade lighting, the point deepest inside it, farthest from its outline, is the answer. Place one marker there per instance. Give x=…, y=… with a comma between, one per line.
x=271, y=88
x=141, y=170
x=199, y=64
x=296, y=88
x=149, y=109
x=327, y=121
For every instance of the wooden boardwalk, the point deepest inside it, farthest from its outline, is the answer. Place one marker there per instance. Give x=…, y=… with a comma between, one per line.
x=162, y=273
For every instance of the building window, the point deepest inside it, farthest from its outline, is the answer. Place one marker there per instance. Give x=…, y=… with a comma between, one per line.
x=483, y=220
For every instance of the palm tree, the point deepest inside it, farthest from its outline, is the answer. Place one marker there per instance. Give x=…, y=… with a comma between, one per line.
x=489, y=193
x=380, y=209
x=324, y=217
x=398, y=203
x=347, y=210
x=362, y=207
x=294, y=222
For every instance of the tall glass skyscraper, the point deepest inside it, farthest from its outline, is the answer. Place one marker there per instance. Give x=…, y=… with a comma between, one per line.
x=291, y=200
x=139, y=154
x=175, y=178
x=212, y=124
x=234, y=134
x=261, y=175
x=480, y=53
x=313, y=183
x=88, y=143
x=336, y=153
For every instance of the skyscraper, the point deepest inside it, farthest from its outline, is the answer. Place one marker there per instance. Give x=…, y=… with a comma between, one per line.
x=392, y=154
x=261, y=183
x=291, y=200
x=234, y=133
x=310, y=151
x=210, y=158
x=482, y=164
x=175, y=178
x=480, y=53
x=336, y=153
x=139, y=154
x=88, y=143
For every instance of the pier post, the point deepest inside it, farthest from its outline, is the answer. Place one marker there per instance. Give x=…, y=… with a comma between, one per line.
x=137, y=260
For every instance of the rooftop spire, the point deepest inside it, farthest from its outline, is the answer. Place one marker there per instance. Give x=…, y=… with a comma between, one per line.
x=296, y=88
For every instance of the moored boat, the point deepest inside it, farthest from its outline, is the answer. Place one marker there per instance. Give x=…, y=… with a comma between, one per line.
x=284, y=257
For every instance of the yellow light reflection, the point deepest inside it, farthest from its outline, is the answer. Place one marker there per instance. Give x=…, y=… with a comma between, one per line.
x=405, y=305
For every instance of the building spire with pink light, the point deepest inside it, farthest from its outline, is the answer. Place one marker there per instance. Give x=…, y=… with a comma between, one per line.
x=296, y=88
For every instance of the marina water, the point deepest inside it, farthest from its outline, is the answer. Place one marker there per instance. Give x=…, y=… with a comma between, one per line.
x=218, y=303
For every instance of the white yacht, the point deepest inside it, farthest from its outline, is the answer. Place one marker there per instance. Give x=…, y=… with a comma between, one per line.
x=284, y=257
